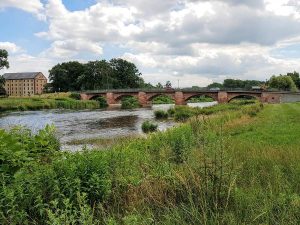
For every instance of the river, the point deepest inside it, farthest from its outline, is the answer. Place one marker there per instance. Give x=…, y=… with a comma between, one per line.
x=86, y=124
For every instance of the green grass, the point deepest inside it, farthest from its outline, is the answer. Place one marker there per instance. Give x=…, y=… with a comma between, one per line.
x=239, y=166
x=102, y=143
x=161, y=114
x=36, y=103
x=182, y=113
x=148, y=127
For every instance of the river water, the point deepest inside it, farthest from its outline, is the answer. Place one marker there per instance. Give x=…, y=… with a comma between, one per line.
x=86, y=124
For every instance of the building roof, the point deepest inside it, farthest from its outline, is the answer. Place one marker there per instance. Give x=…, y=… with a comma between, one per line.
x=20, y=76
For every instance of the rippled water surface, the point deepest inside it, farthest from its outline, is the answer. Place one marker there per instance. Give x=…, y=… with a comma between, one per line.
x=84, y=124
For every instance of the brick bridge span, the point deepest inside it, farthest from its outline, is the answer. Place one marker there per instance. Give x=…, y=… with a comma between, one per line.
x=181, y=97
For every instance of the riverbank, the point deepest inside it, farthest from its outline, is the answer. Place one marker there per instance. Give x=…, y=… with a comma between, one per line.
x=45, y=102
x=240, y=166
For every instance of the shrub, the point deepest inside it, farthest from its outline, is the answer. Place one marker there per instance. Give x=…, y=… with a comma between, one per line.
x=162, y=99
x=102, y=102
x=171, y=112
x=130, y=103
x=148, y=127
x=182, y=113
x=20, y=147
x=160, y=114
x=75, y=96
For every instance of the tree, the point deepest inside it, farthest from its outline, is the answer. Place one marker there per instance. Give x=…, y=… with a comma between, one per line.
x=64, y=77
x=3, y=59
x=159, y=86
x=295, y=77
x=97, y=75
x=125, y=74
x=3, y=64
x=2, y=83
x=282, y=82
x=241, y=84
x=215, y=85
x=75, y=76
x=168, y=85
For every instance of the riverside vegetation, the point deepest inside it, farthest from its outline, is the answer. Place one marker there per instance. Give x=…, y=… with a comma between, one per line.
x=50, y=101
x=239, y=166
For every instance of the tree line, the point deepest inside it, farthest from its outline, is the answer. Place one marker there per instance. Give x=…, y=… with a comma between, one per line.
x=113, y=74
x=288, y=82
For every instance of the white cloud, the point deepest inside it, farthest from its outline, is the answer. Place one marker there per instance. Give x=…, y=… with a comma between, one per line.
x=10, y=47
x=31, y=6
x=29, y=63
x=71, y=48
x=191, y=40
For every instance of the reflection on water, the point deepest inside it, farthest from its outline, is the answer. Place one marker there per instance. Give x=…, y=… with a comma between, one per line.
x=83, y=124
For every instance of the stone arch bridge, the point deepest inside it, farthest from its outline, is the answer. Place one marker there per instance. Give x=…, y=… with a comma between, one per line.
x=181, y=97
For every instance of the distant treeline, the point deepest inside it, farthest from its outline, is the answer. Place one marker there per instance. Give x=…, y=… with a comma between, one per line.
x=288, y=82
x=113, y=74
x=233, y=84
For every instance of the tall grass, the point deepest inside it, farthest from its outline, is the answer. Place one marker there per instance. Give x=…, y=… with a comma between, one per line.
x=22, y=104
x=224, y=169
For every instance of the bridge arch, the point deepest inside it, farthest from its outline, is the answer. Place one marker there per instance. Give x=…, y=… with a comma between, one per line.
x=190, y=96
x=246, y=96
x=94, y=97
x=119, y=98
x=153, y=96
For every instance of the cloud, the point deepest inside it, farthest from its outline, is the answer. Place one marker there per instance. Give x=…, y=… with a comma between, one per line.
x=28, y=63
x=71, y=48
x=10, y=47
x=32, y=6
x=204, y=40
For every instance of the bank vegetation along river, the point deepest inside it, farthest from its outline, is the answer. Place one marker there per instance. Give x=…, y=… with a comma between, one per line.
x=240, y=166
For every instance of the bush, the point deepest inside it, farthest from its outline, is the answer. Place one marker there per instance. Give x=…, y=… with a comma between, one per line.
x=171, y=112
x=148, y=127
x=75, y=96
x=182, y=113
x=102, y=102
x=160, y=114
x=20, y=147
x=130, y=103
x=163, y=99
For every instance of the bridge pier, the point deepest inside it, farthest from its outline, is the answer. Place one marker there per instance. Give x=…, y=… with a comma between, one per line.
x=110, y=99
x=143, y=100
x=222, y=97
x=179, y=98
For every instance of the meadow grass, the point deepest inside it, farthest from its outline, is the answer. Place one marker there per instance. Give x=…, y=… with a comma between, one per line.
x=47, y=101
x=101, y=143
x=240, y=166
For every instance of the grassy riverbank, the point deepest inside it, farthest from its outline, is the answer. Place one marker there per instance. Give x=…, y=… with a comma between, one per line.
x=49, y=101
x=241, y=166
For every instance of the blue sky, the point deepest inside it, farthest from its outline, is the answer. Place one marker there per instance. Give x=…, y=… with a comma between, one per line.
x=196, y=42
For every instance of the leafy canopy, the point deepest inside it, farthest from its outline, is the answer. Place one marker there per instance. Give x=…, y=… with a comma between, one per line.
x=3, y=59
x=116, y=73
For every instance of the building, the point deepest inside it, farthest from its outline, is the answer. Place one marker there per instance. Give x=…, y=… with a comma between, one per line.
x=24, y=84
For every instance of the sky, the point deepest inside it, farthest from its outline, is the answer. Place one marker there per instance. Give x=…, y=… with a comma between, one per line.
x=195, y=42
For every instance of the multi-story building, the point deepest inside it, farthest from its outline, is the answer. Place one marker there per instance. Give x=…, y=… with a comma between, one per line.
x=24, y=84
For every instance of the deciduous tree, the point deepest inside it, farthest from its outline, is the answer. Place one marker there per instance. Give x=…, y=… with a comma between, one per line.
x=282, y=82
x=3, y=59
